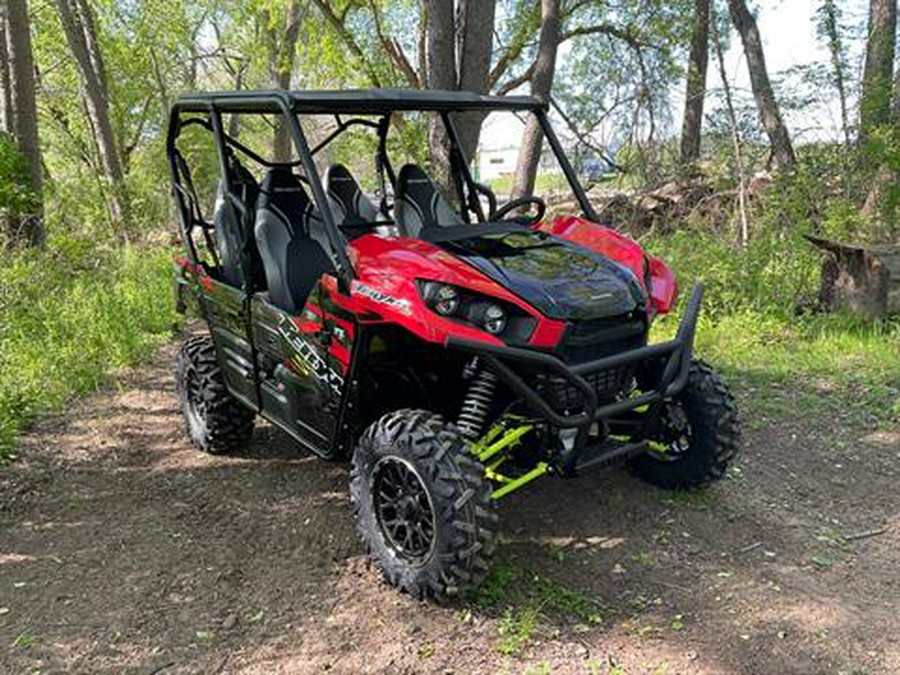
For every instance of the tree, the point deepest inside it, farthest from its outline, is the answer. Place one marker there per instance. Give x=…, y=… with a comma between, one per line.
x=828, y=28
x=875, y=97
x=769, y=113
x=5, y=93
x=541, y=84
x=81, y=36
x=696, y=84
x=282, y=33
x=23, y=108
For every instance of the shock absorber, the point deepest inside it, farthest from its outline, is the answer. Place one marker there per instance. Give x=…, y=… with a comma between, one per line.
x=477, y=404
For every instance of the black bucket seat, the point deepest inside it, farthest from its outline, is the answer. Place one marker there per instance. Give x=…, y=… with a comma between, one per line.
x=235, y=241
x=419, y=205
x=293, y=260
x=351, y=209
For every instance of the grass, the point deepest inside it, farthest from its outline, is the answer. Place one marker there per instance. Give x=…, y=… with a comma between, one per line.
x=528, y=602
x=70, y=316
x=788, y=363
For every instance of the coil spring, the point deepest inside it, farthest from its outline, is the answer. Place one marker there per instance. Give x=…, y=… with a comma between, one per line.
x=477, y=404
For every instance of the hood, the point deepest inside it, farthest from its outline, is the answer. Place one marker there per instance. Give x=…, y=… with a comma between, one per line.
x=560, y=279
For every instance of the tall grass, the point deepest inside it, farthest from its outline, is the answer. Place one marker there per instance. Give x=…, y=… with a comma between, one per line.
x=70, y=316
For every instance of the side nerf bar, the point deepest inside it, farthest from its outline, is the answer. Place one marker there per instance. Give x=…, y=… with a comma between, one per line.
x=678, y=351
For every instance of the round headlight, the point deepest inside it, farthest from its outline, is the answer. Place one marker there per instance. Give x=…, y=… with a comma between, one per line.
x=494, y=319
x=446, y=300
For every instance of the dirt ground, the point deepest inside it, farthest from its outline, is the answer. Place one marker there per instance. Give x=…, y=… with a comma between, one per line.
x=124, y=550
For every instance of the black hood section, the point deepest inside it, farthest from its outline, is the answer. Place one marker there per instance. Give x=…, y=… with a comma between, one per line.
x=560, y=279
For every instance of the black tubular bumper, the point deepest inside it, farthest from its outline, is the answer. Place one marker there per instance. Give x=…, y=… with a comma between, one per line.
x=675, y=355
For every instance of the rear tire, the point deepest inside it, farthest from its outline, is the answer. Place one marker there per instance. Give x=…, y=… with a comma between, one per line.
x=423, y=505
x=703, y=442
x=214, y=420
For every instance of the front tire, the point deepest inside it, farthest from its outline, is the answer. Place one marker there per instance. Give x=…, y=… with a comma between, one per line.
x=423, y=506
x=701, y=435
x=214, y=420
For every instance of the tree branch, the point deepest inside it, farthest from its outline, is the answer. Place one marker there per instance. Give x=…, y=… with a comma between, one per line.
x=516, y=82
x=394, y=50
x=338, y=25
x=629, y=34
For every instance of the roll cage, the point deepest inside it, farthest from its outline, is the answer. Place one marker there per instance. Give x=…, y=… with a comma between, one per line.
x=207, y=110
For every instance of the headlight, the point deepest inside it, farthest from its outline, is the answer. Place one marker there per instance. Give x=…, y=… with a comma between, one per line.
x=494, y=316
x=446, y=300
x=494, y=319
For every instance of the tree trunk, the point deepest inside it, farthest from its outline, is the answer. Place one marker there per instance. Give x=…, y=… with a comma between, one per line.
x=29, y=228
x=541, y=84
x=875, y=98
x=780, y=140
x=440, y=39
x=81, y=35
x=475, y=39
x=735, y=137
x=282, y=55
x=829, y=29
x=5, y=93
x=696, y=84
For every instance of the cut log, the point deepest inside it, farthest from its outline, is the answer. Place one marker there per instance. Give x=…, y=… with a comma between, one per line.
x=863, y=279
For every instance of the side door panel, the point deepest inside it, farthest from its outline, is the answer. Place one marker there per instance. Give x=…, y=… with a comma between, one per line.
x=224, y=309
x=301, y=379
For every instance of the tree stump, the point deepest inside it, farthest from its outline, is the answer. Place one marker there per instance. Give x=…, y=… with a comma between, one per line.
x=863, y=279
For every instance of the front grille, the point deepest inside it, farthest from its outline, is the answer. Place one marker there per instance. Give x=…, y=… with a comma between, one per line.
x=606, y=383
x=594, y=339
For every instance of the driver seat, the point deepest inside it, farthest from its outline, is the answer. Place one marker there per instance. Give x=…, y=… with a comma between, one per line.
x=419, y=205
x=293, y=260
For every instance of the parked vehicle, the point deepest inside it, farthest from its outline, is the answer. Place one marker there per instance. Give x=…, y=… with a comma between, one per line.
x=455, y=348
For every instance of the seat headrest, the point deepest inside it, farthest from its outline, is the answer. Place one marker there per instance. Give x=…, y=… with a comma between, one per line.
x=281, y=179
x=419, y=204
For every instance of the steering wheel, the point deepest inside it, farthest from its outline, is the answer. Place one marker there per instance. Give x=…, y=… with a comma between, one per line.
x=514, y=204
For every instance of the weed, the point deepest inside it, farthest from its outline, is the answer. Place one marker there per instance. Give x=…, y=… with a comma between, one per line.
x=516, y=629
x=24, y=640
x=528, y=599
x=696, y=500
x=70, y=317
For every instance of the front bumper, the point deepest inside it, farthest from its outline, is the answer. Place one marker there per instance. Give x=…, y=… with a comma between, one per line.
x=673, y=356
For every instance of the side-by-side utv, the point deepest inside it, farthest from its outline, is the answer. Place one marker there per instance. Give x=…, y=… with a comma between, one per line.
x=456, y=347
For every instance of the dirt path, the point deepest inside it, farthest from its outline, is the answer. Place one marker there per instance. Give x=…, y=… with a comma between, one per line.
x=123, y=550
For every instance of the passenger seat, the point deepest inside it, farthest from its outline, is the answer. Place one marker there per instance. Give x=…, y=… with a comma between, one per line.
x=352, y=211
x=419, y=204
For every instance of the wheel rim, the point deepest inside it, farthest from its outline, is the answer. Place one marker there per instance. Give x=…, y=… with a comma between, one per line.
x=195, y=411
x=675, y=439
x=404, y=510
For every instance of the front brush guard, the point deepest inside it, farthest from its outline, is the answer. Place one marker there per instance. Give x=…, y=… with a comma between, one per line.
x=501, y=360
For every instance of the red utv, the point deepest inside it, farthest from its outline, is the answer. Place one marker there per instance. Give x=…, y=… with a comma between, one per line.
x=455, y=347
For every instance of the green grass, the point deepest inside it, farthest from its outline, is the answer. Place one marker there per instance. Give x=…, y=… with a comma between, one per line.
x=526, y=602
x=544, y=184
x=70, y=316
x=786, y=363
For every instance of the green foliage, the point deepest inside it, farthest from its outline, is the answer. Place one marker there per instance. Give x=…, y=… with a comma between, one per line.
x=70, y=317
x=15, y=196
x=527, y=601
x=792, y=362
